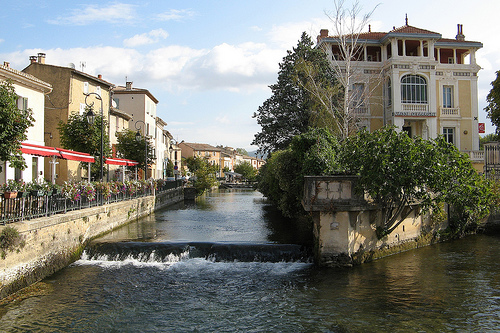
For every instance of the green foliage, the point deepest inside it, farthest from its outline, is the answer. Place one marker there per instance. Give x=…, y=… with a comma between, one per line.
x=402, y=174
x=9, y=240
x=291, y=109
x=130, y=148
x=487, y=138
x=170, y=168
x=79, y=135
x=493, y=99
x=13, y=126
x=204, y=174
x=281, y=179
x=246, y=170
x=242, y=151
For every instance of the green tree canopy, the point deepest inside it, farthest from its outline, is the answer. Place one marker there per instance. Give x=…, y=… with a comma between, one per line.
x=402, y=174
x=204, y=173
x=132, y=148
x=246, y=170
x=493, y=99
x=281, y=179
x=291, y=109
x=79, y=135
x=14, y=123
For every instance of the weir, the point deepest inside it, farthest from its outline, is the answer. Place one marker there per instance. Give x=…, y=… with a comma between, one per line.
x=54, y=242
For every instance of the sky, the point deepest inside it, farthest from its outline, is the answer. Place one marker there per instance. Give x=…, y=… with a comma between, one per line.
x=210, y=62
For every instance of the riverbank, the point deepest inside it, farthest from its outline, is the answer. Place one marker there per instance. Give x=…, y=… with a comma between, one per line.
x=51, y=243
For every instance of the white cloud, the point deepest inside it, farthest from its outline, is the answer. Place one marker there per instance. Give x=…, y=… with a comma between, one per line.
x=154, y=36
x=175, y=15
x=287, y=35
x=113, y=13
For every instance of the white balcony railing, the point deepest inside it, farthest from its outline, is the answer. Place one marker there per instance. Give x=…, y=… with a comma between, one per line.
x=414, y=110
x=453, y=112
x=361, y=110
x=476, y=155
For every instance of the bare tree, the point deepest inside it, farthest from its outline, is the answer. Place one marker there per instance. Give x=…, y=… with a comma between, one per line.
x=344, y=55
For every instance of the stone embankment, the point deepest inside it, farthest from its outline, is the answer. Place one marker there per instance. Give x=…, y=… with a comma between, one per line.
x=52, y=243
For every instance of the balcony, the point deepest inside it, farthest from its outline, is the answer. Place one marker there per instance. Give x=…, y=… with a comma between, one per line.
x=475, y=155
x=450, y=112
x=414, y=110
x=362, y=111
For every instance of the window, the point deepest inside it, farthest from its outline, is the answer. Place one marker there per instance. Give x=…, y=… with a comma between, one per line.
x=85, y=87
x=98, y=90
x=22, y=103
x=389, y=92
x=34, y=168
x=358, y=90
x=449, y=134
x=82, y=109
x=413, y=89
x=451, y=60
x=447, y=96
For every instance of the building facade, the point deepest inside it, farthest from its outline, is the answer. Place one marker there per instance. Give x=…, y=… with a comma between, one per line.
x=70, y=87
x=140, y=104
x=31, y=93
x=414, y=79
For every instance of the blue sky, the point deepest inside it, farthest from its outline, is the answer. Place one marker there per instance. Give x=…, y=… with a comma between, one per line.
x=209, y=63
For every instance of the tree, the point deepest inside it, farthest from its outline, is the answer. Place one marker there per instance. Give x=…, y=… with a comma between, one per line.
x=242, y=151
x=14, y=124
x=204, y=173
x=290, y=110
x=79, y=135
x=347, y=28
x=404, y=175
x=129, y=147
x=281, y=179
x=487, y=138
x=493, y=99
x=246, y=170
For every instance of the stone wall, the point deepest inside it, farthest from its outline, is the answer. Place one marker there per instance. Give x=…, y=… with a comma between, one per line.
x=344, y=224
x=51, y=243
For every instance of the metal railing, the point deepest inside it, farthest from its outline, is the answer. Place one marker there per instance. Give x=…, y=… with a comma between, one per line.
x=27, y=206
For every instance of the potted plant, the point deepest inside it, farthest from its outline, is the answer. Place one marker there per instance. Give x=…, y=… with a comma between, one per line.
x=13, y=189
x=38, y=188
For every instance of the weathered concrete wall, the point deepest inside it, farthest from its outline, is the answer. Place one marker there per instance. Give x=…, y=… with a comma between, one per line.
x=345, y=224
x=52, y=243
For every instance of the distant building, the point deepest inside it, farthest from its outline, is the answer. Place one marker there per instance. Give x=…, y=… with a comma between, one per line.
x=202, y=150
x=31, y=93
x=417, y=80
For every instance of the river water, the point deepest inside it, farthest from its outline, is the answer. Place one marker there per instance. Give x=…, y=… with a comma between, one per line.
x=229, y=263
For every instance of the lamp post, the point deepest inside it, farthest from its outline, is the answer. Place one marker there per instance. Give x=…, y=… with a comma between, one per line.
x=91, y=118
x=138, y=138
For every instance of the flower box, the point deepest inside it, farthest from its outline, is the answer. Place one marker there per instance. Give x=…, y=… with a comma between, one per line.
x=9, y=194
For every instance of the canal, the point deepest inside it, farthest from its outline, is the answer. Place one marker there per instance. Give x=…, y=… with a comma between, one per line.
x=230, y=263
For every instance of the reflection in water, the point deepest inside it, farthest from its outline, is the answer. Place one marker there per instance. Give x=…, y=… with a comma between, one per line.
x=449, y=287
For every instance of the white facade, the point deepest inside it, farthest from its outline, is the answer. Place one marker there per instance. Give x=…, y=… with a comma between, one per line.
x=31, y=92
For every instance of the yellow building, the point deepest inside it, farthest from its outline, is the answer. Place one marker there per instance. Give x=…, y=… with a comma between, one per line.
x=67, y=97
x=202, y=150
x=416, y=80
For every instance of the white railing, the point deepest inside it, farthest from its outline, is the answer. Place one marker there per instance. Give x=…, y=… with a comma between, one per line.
x=450, y=112
x=475, y=155
x=414, y=110
x=415, y=107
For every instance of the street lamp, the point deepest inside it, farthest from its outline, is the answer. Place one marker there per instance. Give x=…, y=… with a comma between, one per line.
x=138, y=138
x=91, y=119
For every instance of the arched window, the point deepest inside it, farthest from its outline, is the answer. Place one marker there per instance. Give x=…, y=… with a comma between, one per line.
x=413, y=89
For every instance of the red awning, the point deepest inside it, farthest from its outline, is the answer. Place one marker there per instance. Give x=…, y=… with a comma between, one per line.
x=121, y=161
x=75, y=155
x=31, y=149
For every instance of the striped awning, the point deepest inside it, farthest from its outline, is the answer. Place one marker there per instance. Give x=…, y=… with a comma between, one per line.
x=121, y=161
x=31, y=149
x=75, y=155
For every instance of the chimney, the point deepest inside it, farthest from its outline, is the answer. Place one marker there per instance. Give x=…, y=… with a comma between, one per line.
x=33, y=59
x=460, y=33
x=99, y=76
x=41, y=58
x=323, y=33
x=129, y=85
x=6, y=64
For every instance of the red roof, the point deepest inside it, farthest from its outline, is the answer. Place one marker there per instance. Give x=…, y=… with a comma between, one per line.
x=31, y=149
x=75, y=155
